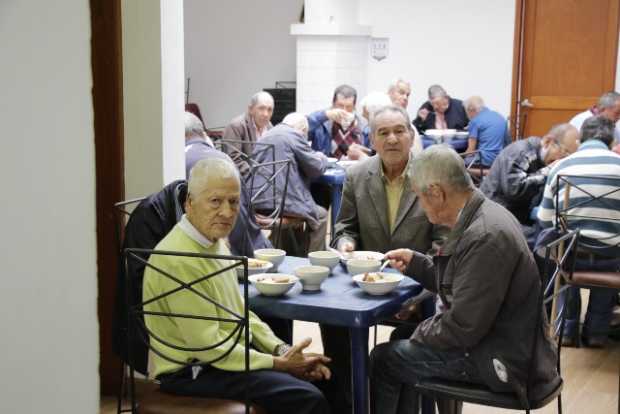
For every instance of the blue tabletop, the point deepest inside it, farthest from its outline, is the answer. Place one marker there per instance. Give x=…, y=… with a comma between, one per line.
x=458, y=144
x=333, y=175
x=339, y=302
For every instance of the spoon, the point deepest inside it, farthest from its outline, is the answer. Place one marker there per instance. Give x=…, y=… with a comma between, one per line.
x=387, y=262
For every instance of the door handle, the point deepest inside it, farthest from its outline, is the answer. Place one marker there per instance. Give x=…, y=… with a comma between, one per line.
x=526, y=103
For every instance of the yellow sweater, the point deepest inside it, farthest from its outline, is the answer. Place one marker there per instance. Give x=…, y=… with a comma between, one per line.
x=195, y=333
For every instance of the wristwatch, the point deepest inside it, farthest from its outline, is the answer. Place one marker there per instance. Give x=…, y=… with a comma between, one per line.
x=281, y=349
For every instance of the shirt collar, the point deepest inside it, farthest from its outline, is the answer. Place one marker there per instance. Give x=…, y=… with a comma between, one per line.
x=593, y=143
x=192, y=232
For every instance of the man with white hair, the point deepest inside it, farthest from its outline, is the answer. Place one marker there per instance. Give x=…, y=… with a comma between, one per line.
x=278, y=373
x=488, y=282
x=488, y=131
x=607, y=106
x=250, y=127
x=290, y=143
x=399, y=91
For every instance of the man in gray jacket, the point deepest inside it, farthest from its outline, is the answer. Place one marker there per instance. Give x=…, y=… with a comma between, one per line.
x=489, y=284
x=290, y=143
x=517, y=177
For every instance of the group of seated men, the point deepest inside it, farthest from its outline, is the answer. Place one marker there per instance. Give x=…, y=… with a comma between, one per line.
x=418, y=207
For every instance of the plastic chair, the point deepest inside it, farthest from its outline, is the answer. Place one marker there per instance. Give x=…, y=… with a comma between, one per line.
x=563, y=257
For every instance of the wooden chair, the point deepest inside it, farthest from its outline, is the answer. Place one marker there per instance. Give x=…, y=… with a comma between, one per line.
x=562, y=255
x=145, y=396
x=477, y=172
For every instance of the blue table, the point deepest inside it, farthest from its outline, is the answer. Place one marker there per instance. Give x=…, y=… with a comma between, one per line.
x=334, y=177
x=340, y=302
x=459, y=144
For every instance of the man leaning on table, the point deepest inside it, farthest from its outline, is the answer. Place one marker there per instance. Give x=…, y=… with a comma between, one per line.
x=378, y=212
x=488, y=281
x=279, y=374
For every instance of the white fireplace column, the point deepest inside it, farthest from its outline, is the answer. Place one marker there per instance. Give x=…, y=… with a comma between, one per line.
x=332, y=49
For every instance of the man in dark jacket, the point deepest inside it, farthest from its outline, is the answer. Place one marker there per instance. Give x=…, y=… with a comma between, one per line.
x=489, y=285
x=517, y=177
x=440, y=112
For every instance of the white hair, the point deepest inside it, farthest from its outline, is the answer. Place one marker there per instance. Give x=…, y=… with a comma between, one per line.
x=440, y=164
x=297, y=121
x=375, y=101
x=435, y=91
x=208, y=170
x=193, y=126
x=394, y=84
x=473, y=104
x=261, y=97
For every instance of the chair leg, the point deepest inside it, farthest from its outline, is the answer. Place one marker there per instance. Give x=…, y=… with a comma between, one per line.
x=375, y=341
x=121, y=390
x=560, y=403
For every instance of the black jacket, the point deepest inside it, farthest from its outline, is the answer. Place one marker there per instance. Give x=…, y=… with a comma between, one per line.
x=456, y=118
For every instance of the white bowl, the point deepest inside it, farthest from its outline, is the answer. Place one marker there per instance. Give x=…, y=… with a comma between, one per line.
x=324, y=258
x=254, y=266
x=381, y=287
x=265, y=284
x=448, y=134
x=311, y=277
x=434, y=132
x=461, y=134
x=275, y=256
x=355, y=266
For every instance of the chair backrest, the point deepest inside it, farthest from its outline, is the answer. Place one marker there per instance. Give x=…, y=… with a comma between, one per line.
x=135, y=308
x=590, y=203
x=232, y=147
x=268, y=186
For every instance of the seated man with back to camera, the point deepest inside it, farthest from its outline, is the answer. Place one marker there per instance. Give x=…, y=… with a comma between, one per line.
x=290, y=143
x=488, y=131
x=279, y=373
x=517, y=177
x=608, y=106
x=378, y=213
x=249, y=128
x=489, y=285
x=599, y=225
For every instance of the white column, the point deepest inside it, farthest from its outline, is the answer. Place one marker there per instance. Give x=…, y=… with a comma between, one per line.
x=332, y=49
x=153, y=94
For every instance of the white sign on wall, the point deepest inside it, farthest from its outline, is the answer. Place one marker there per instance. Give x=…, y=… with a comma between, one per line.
x=379, y=47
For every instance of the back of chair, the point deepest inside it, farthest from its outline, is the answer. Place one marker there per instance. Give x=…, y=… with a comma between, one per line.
x=590, y=203
x=233, y=147
x=138, y=329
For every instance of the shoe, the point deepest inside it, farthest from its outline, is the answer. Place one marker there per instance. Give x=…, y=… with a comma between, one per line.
x=594, y=341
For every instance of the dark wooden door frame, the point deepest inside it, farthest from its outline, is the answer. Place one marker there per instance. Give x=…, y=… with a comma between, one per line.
x=106, y=61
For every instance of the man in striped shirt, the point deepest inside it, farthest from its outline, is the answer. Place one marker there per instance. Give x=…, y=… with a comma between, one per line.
x=599, y=221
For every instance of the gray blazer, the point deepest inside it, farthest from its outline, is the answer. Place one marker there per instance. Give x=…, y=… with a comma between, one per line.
x=241, y=129
x=363, y=216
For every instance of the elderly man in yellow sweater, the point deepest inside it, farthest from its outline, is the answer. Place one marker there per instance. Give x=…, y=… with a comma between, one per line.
x=279, y=373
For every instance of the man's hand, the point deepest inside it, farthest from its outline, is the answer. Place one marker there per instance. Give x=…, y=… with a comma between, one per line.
x=423, y=113
x=357, y=152
x=345, y=246
x=337, y=115
x=305, y=366
x=406, y=311
x=399, y=258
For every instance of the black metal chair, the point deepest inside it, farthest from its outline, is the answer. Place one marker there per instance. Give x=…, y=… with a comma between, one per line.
x=562, y=253
x=233, y=148
x=152, y=400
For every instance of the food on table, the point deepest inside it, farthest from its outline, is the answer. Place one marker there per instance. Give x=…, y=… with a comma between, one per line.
x=274, y=279
x=372, y=277
x=256, y=264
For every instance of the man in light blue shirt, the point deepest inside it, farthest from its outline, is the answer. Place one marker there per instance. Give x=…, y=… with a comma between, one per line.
x=488, y=130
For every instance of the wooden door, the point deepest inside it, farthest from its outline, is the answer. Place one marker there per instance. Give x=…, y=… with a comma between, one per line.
x=565, y=58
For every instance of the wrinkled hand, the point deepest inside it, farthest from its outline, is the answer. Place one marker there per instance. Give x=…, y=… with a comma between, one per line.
x=337, y=115
x=399, y=258
x=298, y=364
x=406, y=311
x=423, y=113
x=345, y=246
x=357, y=152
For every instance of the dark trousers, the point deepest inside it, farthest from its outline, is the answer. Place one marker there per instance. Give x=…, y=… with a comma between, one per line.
x=337, y=346
x=396, y=366
x=276, y=392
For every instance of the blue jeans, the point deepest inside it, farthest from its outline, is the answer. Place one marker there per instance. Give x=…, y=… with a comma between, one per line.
x=395, y=367
x=600, y=303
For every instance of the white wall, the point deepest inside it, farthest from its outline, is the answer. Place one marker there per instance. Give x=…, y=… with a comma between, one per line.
x=49, y=342
x=466, y=49
x=152, y=94
x=235, y=48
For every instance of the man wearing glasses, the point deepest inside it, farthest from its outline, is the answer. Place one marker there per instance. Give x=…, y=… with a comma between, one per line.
x=517, y=177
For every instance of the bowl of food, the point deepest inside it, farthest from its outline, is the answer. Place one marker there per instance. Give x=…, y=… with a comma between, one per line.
x=361, y=255
x=435, y=134
x=448, y=134
x=377, y=283
x=273, y=284
x=324, y=258
x=275, y=256
x=311, y=277
x=355, y=266
x=255, y=266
